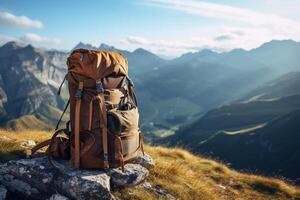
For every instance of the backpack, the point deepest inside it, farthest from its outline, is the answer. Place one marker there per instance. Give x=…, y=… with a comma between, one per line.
x=103, y=130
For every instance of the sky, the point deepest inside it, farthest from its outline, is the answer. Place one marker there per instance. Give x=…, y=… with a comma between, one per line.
x=165, y=27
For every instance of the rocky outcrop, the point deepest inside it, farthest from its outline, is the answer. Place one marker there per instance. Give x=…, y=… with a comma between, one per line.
x=38, y=179
x=3, y=192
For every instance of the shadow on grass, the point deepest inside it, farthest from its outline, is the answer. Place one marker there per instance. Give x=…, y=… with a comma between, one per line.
x=12, y=155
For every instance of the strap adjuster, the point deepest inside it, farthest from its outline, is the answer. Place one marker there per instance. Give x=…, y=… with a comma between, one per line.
x=105, y=156
x=99, y=87
x=78, y=93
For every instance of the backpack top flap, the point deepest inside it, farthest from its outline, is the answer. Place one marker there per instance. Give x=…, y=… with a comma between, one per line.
x=97, y=64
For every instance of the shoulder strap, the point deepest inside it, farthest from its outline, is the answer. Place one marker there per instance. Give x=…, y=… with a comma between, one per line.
x=103, y=121
x=77, y=125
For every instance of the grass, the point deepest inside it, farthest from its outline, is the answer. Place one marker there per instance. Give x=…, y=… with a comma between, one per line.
x=10, y=148
x=177, y=172
x=187, y=176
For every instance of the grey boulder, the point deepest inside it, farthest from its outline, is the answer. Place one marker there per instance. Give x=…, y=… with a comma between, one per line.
x=38, y=179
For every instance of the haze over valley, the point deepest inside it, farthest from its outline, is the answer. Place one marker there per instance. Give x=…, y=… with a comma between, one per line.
x=211, y=103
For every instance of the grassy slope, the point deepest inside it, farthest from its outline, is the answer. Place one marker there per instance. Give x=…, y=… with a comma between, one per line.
x=45, y=118
x=179, y=173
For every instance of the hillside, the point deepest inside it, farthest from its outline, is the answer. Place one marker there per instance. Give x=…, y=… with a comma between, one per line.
x=170, y=92
x=178, y=173
x=29, y=78
x=256, y=133
x=271, y=148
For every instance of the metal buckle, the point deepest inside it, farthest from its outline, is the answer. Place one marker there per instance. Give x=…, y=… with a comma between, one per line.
x=78, y=93
x=99, y=87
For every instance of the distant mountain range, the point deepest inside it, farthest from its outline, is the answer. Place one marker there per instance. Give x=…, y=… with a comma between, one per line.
x=171, y=92
x=239, y=106
x=259, y=132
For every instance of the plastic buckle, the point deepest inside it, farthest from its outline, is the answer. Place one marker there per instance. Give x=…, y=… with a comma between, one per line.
x=78, y=94
x=105, y=156
x=99, y=87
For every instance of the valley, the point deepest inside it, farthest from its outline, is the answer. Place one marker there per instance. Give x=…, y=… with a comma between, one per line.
x=216, y=104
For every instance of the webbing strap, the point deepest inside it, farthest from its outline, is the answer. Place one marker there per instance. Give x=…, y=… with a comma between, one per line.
x=77, y=125
x=90, y=114
x=39, y=146
x=121, y=153
x=103, y=126
x=62, y=114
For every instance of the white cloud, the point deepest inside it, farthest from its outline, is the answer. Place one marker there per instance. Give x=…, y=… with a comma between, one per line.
x=4, y=39
x=8, y=19
x=137, y=40
x=40, y=40
x=234, y=27
x=34, y=39
x=225, y=12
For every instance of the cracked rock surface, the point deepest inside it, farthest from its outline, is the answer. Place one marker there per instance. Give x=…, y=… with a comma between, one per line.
x=37, y=179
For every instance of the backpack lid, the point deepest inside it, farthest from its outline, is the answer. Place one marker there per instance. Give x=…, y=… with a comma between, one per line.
x=97, y=64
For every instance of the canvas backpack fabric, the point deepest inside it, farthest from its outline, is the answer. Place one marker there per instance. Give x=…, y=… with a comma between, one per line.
x=103, y=130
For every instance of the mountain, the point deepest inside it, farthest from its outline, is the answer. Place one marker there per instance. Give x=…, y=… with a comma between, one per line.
x=29, y=78
x=170, y=92
x=271, y=149
x=280, y=55
x=177, y=174
x=207, y=79
x=82, y=45
x=258, y=132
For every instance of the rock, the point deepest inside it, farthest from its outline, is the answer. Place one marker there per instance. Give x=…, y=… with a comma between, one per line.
x=132, y=175
x=3, y=192
x=158, y=191
x=38, y=179
x=58, y=197
x=146, y=161
x=4, y=138
x=28, y=143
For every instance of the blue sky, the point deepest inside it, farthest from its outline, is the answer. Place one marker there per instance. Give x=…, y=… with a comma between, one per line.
x=165, y=27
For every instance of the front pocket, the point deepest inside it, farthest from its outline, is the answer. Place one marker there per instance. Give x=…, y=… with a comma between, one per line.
x=123, y=121
x=127, y=144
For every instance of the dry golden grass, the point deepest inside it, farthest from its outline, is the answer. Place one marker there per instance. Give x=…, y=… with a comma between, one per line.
x=186, y=176
x=177, y=172
x=10, y=143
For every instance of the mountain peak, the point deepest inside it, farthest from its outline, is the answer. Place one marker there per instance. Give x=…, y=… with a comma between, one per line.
x=9, y=47
x=278, y=44
x=12, y=45
x=141, y=50
x=82, y=45
x=205, y=52
x=104, y=46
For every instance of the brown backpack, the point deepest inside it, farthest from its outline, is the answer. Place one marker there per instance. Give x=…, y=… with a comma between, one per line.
x=104, y=117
